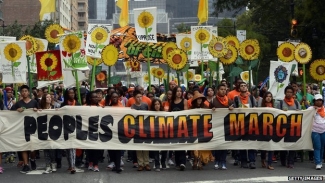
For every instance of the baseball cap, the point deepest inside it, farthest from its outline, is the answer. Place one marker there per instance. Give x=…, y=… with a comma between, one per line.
x=318, y=97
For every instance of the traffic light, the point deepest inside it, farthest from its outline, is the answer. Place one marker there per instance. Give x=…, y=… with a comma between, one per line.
x=294, y=30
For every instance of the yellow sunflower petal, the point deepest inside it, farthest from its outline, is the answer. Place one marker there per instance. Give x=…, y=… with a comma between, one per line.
x=186, y=44
x=303, y=53
x=145, y=19
x=177, y=59
x=233, y=40
x=159, y=73
x=218, y=47
x=71, y=43
x=48, y=62
x=153, y=70
x=31, y=45
x=110, y=55
x=249, y=49
x=170, y=46
x=12, y=52
x=230, y=57
x=52, y=32
x=40, y=45
x=99, y=35
x=91, y=61
x=202, y=36
x=317, y=70
x=285, y=52
x=146, y=78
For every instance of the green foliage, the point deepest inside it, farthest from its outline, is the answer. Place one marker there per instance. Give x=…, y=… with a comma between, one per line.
x=226, y=28
x=182, y=28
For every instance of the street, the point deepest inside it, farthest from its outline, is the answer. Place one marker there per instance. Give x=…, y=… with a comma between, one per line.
x=207, y=175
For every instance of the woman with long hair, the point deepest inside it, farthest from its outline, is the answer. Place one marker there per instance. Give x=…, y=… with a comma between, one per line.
x=178, y=103
x=70, y=99
x=156, y=105
x=267, y=101
x=209, y=93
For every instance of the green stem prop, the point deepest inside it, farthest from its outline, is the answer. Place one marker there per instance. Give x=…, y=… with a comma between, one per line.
x=92, y=83
x=179, y=82
x=16, y=92
x=304, y=79
x=148, y=62
x=202, y=62
x=109, y=76
x=77, y=85
x=29, y=77
x=217, y=72
x=250, y=78
x=187, y=80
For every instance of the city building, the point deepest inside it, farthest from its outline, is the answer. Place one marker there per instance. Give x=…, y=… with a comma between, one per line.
x=92, y=9
x=64, y=13
x=101, y=13
x=110, y=9
x=74, y=15
x=82, y=14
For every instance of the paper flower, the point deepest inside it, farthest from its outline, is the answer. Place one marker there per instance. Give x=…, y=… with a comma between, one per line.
x=170, y=46
x=186, y=44
x=12, y=52
x=218, y=47
x=189, y=75
x=101, y=76
x=146, y=78
x=110, y=55
x=40, y=45
x=99, y=35
x=249, y=49
x=48, y=62
x=145, y=19
x=230, y=57
x=233, y=40
x=177, y=59
x=317, y=70
x=303, y=53
x=159, y=73
x=202, y=36
x=71, y=43
x=52, y=32
x=285, y=52
x=31, y=45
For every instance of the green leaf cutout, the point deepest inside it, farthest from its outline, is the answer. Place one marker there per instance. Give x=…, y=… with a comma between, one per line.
x=235, y=71
x=189, y=52
x=254, y=63
x=187, y=66
x=239, y=61
x=101, y=46
x=77, y=55
x=16, y=64
x=205, y=45
x=149, y=29
x=52, y=73
x=115, y=79
x=212, y=65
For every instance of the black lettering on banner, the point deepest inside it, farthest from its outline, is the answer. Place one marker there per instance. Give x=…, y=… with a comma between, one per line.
x=92, y=128
x=81, y=134
x=108, y=134
x=42, y=127
x=69, y=124
x=29, y=127
x=55, y=127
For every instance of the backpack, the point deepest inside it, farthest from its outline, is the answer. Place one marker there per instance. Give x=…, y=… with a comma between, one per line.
x=250, y=98
x=296, y=103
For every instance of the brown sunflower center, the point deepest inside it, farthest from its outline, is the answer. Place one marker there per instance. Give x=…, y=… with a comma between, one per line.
x=145, y=20
x=54, y=33
x=13, y=52
x=302, y=53
x=232, y=43
x=202, y=36
x=48, y=62
x=320, y=70
x=218, y=46
x=28, y=45
x=72, y=44
x=159, y=73
x=229, y=54
x=177, y=58
x=168, y=50
x=287, y=52
x=249, y=49
x=99, y=36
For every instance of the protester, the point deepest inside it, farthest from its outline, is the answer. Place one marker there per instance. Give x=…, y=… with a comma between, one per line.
x=318, y=130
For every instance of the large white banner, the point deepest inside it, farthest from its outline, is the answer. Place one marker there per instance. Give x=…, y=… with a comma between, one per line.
x=279, y=78
x=123, y=128
x=201, y=37
x=98, y=36
x=145, y=19
x=13, y=61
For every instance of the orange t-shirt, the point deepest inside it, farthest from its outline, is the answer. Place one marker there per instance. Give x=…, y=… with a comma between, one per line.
x=166, y=105
x=189, y=103
x=145, y=99
x=232, y=94
x=102, y=102
x=119, y=104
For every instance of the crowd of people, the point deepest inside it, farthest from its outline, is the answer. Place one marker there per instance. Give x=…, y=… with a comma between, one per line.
x=176, y=98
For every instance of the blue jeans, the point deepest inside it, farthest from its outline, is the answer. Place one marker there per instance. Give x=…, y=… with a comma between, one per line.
x=251, y=155
x=318, y=144
x=269, y=156
x=220, y=156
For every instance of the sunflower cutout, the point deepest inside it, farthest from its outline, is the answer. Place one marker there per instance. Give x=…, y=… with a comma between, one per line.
x=99, y=35
x=285, y=52
x=48, y=62
x=159, y=73
x=189, y=75
x=145, y=19
x=230, y=57
x=153, y=71
x=218, y=47
x=202, y=36
x=12, y=52
x=52, y=33
x=110, y=55
x=249, y=49
x=100, y=76
x=71, y=43
x=177, y=59
x=170, y=46
x=91, y=61
x=186, y=44
x=303, y=53
x=233, y=41
x=40, y=45
x=146, y=78
x=197, y=77
x=317, y=70
x=245, y=76
x=135, y=65
x=31, y=45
